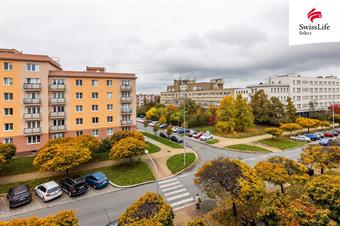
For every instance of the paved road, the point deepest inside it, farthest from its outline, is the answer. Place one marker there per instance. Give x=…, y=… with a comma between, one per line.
x=178, y=191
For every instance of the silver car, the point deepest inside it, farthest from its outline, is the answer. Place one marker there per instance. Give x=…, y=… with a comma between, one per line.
x=48, y=191
x=301, y=138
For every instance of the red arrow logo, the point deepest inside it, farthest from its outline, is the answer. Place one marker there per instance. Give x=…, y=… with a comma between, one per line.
x=314, y=15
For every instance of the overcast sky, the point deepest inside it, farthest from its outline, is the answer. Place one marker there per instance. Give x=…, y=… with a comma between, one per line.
x=240, y=41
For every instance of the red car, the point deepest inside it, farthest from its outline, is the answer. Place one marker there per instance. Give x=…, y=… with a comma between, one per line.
x=328, y=134
x=198, y=135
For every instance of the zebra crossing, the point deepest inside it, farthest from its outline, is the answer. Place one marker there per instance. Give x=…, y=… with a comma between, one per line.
x=175, y=193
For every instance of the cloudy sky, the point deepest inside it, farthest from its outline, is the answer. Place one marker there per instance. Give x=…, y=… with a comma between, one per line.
x=240, y=41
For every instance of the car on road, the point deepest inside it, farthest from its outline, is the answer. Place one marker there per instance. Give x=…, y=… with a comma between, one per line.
x=73, y=185
x=325, y=141
x=176, y=138
x=152, y=123
x=192, y=133
x=320, y=134
x=180, y=130
x=206, y=136
x=97, y=180
x=19, y=195
x=48, y=191
x=164, y=135
x=334, y=132
x=312, y=136
x=198, y=135
x=328, y=134
x=163, y=126
x=141, y=120
x=301, y=138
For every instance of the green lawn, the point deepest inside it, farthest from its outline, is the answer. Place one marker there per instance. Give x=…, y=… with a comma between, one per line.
x=153, y=148
x=124, y=174
x=246, y=147
x=281, y=143
x=162, y=140
x=18, y=165
x=175, y=163
x=212, y=141
x=256, y=131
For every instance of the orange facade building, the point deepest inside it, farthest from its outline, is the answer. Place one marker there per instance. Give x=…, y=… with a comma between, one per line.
x=40, y=101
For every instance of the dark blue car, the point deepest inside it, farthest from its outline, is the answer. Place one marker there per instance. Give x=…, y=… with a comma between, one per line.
x=312, y=136
x=97, y=180
x=325, y=142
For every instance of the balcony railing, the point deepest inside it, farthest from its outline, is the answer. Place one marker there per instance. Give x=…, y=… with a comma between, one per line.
x=126, y=99
x=31, y=86
x=57, y=128
x=125, y=88
x=126, y=110
x=57, y=87
x=32, y=116
x=57, y=114
x=57, y=100
x=126, y=122
x=32, y=130
x=32, y=101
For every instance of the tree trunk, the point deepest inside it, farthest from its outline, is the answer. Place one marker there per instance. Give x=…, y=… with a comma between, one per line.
x=282, y=190
x=67, y=171
x=321, y=170
x=234, y=210
x=308, y=129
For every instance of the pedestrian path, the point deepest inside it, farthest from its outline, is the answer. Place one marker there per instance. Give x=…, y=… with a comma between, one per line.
x=176, y=194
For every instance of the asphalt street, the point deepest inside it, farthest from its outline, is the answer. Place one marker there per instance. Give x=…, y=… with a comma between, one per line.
x=99, y=210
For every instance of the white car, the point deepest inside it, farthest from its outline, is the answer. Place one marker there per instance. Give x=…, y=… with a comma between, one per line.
x=141, y=120
x=152, y=124
x=206, y=136
x=48, y=191
x=301, y=138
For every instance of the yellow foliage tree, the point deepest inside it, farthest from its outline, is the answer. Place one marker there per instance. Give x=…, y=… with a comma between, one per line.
x=324, y=124
x=2, y=161
x=88, y=141
x=275, y=132
x=290, y=127
x=123, y=134
x=127, y=148
x=307, y=122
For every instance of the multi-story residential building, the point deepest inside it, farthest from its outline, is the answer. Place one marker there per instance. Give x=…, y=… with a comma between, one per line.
x=143, y=99
x=203, y=93
x=40, y=101
x=308, y=93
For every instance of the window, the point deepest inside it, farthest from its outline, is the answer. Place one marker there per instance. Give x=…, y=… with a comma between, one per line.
x=8, y=127
x=125, y=82
x=94, y=83
x=109, y=95
x=32, y=80
x=79, y=108
x=58, y=82
x=95, y=120
x=94, y=95
x=32, y=67
x=126, y=128
x=79, y=95
x=79, y=82
x=79, y=121
x=109, y=131
x=33, y=139
x=79, y=133
x=109, y=83
x=95, y=132
x=36, y=110
x=57, y=135
x=94, y=107
x=109, y=107
x=8, y=140
x=109, y=119
x=8, y=66
x=8, y=111
x=8, y=96
x=8, y=81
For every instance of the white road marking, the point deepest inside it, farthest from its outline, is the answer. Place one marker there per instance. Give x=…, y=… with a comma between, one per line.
x=172, y=188
x=182, y=202
x=175, y=192
x=166, y=181
x=178, y=196
x=169, y=184
x=181, y=207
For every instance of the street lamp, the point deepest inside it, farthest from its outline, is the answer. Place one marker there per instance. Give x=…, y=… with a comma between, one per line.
x=184, y=134
x=155, y=166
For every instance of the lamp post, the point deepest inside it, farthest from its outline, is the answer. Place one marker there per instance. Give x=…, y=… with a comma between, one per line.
x=333, y=113
x=184, y=135
x=155, y=166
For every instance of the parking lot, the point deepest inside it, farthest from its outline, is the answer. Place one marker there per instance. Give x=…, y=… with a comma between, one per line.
x=37, y=203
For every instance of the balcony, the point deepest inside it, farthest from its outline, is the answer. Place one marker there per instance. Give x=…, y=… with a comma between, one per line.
x=57, y=101
x=29, y=131
x=126, y=122
x=57, y=128
x=125, y=88
x=57, y=114
x=32, y=86
x=29, y=116
x=125, y=99
x=126, y=110
x=57, y=87
x=32, y=101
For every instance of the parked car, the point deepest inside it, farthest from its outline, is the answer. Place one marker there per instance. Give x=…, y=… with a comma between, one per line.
x=112, y=223
x=206, y=136
x=325, y=141
x=174, y=129
x=328, y=134
x=334, y=132
x=74, y=185
x=164, y=135
x=320, y=134
x=198, y=135
x=163, y=126
x=48, y=191
x=97, y=180
x=19, y=195
x=176, y=138
x=141, y=120
x=301, y=138
x=312, y=136
x=180, y=130
x=152, y=123
x=191, y=133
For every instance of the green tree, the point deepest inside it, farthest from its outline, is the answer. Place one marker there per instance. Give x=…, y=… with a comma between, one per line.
x=275, y=132
x=105, y=145
x=226, y=113
x=290, y=110
x=290, y=127
x=260, y=106
x=150, y=209
x=155, y=128
x=8, y=150
x=276, y=111
x=244, y=118
x=145, y=124
x=169, y=130
x=127, y=148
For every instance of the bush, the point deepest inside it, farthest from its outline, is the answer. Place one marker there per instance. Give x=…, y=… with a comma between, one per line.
x=105, y=145
x=8, y=150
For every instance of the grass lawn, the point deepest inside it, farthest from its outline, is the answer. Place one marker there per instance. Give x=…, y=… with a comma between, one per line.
x=246, y=147
x=18, y=165
x=153, y=148
x=162, y=140
x=212, y=141
x=281, y=143
x=175, y=163
x=124, y=174
x=256, y=131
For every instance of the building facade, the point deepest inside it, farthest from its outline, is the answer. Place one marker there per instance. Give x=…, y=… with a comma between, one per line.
x=308, y=93
x=143, y=99
x=203, y=93
x=40, y=101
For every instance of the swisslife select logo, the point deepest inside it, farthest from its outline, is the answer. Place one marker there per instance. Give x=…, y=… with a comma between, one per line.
x=314, y=21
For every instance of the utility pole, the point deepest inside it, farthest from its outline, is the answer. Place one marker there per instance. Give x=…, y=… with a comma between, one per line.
x=333, y=113
x=184, y=135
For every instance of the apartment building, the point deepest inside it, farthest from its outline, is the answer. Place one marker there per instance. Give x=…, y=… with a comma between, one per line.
x=40, y=101
x=203, y=93
x=308, y=93
x=143, y=99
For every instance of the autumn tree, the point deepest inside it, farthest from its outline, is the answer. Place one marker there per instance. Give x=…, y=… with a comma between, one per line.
x=87, y=141
x=321, y=157
x=162, y=119
x=212, y=115
x=226, y=115
x=145, y=124
x=275, y=132
x=155, y=128
x=307, y=122
x=152, y=114
x=260, y=106
x=276, y=111
x=196, y=222
x=244, y=118
x=169, y=130
x=290, y=127
x=150, y=209
x=126, y=133
x=2, y=161
x=290, y=110
x=8, y=150
x=127, y=148
x=324, y=124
